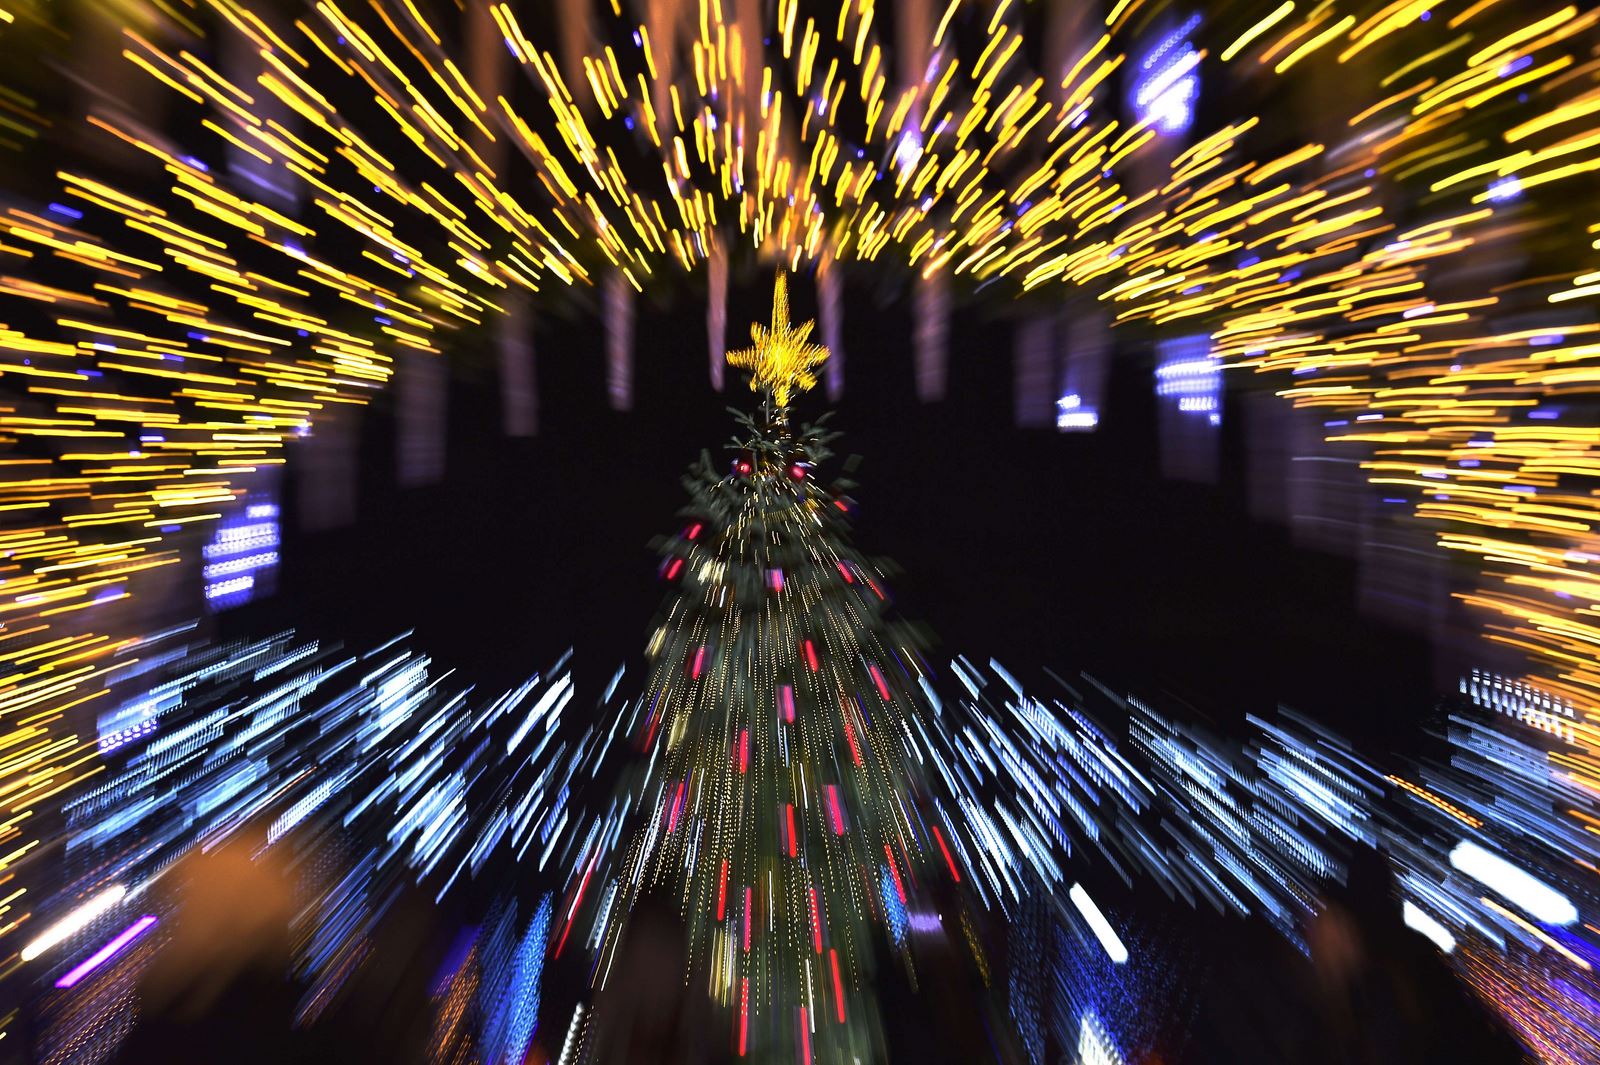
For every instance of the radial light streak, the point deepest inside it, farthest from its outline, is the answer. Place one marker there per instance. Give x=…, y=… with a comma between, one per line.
x=1098, y=924
x=107, y=952
x=73, y=923
x=168, y=344
x=1419, y=920
x=1529, y=893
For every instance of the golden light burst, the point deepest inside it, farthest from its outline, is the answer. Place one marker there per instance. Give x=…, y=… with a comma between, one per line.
x=783, y=358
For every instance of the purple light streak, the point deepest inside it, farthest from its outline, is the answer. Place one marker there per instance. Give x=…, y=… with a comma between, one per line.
x=105, y=953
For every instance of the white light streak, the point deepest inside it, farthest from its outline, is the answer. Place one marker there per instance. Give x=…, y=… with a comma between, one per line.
x=74, y=922
x=1098, y=924
x=1529, y=893
x=1419, y=920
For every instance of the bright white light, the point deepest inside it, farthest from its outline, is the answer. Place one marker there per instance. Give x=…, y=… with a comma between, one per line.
x=1529, y=893
x=74, y=922
x=907, y=151
x=229, y=587
x=570, y=1044
x=1095, y=1046
x=1186, y=368
x=1098, y=924
x=1419, y=920
x=1168, y=82
x=1173, y=110
x=242, y=556
x=1071, y=413
x=1506, y=188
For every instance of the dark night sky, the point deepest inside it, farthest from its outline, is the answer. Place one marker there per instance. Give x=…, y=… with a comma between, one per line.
x=1066, y=551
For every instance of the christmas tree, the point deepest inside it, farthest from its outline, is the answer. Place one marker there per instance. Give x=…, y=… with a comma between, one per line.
x=782, y=804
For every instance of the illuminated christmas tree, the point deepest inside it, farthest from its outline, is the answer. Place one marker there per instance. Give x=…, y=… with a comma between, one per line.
x=783, y=804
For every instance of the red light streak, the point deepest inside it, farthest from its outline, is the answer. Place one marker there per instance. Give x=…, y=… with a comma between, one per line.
x=786, y=700
x=946, y=851
x=699, y=662
x=722, y=891
x=582, y=886
x=894, y=870
x=877, y=678
x=677, y=806
x=838, y=984
x=850, y=734
x=793, y=843
x=744, y=1013
x=834, y=813
x=744, y=750
x=811, y=656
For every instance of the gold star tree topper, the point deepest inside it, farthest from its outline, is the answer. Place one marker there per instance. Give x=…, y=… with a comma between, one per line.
x=782, y=360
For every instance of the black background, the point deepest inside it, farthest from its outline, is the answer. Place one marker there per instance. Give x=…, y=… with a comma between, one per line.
x=1067, y=551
